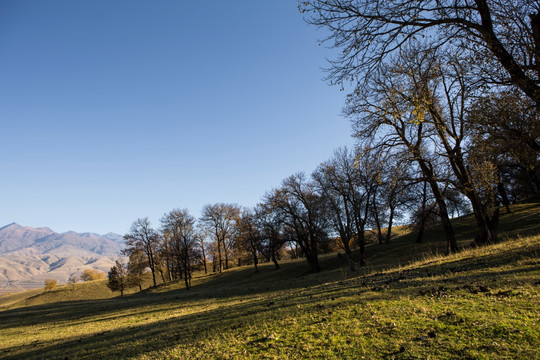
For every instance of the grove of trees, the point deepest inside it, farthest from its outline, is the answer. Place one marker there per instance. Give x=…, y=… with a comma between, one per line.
x=443, y=98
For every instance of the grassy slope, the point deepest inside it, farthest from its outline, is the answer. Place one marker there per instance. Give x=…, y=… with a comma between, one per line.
x=409, y=302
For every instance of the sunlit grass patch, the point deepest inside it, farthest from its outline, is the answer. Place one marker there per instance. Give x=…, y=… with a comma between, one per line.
x=480, y=303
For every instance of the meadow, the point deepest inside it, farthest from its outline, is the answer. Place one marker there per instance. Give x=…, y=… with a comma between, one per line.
x=409, y=302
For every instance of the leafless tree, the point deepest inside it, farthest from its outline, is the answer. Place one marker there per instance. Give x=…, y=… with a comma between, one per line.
x=219, y=219
x=388, y=115
x=142, y=237
x=181, y=227
x=271, y=232
x=248, y=237
x=341, y=184
x=302, y=210
x=501, y=37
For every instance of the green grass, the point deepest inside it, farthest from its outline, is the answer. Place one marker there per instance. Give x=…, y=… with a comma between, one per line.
x=410, y=302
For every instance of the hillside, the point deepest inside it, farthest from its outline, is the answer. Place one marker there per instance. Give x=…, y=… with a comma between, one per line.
x=29, y=255
x=409, y=303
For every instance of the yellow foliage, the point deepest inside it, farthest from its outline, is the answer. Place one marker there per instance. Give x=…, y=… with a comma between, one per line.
x=50, y=284
x=92, y=274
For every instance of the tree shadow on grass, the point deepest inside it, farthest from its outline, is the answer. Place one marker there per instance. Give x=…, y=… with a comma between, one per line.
x=268, y=292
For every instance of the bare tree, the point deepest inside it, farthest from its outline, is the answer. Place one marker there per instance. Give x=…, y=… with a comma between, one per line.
x=271, y=232
x=388, y=115
x=302, y=210
x=181, y=227
x=425, y=96
x=248, y=237
x=501, y=36
x=201, y=235
x=142, y=237
x=219, y=219
x=340, y=182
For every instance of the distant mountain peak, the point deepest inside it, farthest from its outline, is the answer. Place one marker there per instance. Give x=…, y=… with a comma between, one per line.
x=44, y=228
x=8, y=225
x=32, y=254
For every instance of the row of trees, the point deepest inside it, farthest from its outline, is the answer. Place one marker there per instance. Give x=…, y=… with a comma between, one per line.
x=344, y=197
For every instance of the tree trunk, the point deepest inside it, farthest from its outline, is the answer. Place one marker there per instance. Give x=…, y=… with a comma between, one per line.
x=451, y=244
x=313, y=261
x=186, y=278
x=419, y=237
x=162, y=276
x=504, y=197
x=219, y=256
x=274, y=259
x=154, y=276
x=378, y=223
x=255, y=261
x=204, y=258
x=486, y=224
x=348, y=254
x=389, y=230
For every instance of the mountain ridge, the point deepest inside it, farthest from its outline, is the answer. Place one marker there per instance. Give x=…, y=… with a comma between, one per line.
x=30, y=255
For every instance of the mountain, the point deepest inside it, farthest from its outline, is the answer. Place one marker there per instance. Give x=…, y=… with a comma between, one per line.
x=30, y=255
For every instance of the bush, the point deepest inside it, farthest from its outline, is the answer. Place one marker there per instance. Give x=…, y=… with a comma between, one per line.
x=92, y=274
x=50, y=284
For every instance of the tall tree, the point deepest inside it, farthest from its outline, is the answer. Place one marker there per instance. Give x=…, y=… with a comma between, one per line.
x=339, y=181
x=501, y=36
x=136, y=266
x=219, y=219
x=184, y=244
x=201, y=235
x=302, y=210
x=142, y=237
x=271, y=232
x=429, y=93
x=248, y=237
x=389, y=114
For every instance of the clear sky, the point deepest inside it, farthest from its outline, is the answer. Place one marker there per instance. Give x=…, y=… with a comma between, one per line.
x=114, y=110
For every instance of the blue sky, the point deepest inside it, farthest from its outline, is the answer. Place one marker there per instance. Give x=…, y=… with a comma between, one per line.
x=114, y=110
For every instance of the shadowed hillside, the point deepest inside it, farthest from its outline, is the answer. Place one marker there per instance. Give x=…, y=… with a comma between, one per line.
x=409, y=302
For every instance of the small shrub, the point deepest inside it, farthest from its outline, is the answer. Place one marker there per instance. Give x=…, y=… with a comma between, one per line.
x=92, y=274
x=50, y=284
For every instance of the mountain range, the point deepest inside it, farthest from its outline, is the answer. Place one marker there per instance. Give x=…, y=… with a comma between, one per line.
x=29, y=255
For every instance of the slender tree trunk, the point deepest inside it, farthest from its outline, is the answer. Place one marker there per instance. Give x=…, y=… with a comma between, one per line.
x=423, y=215
x=348, y=253
x=378, y=223
x=451, y=244
x=362, y=246
x=389, y=230
x=255, y=261
x=152, y=266
x=504, y=197
x=186, y=277
x=219, y=255
x=274, y=259
x=204, y=258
